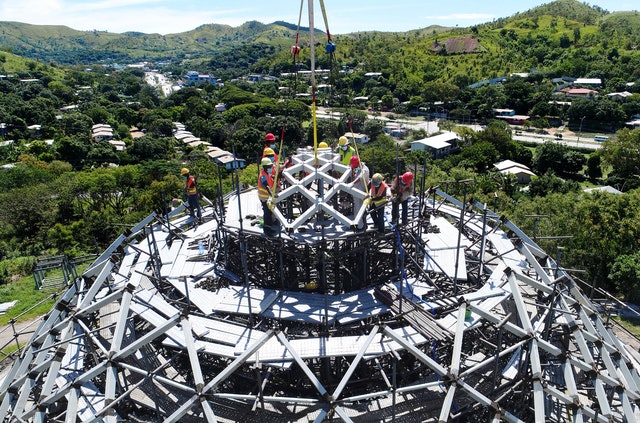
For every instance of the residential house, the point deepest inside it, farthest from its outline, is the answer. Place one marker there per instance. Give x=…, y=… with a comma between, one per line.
x=226, y=159
x=231, y=163
x=579, y=92
x=492, y=81
x=359, y=138
x=594, y=82
x=195, y=78
x=136, y=133
x=101, y=132
x=619, y=96
x=215, y=154
x=509, y=167
x=118, y=145
x=438, y=145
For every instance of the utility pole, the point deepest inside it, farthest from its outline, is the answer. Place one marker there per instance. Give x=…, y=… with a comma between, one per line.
x=580, y=130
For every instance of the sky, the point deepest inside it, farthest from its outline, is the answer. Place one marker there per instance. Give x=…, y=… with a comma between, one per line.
x=344, y=16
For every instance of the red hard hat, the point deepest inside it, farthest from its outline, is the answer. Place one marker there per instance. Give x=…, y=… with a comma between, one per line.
x=407, y=177
x=269, y=137
x=354, y=161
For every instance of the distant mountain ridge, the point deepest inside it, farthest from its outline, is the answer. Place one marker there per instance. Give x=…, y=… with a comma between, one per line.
x=64, y=45
x=547, y=38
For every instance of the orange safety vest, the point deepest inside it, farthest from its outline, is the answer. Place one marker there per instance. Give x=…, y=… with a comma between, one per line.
x=378, y=195
x=263, y=192
x=191, y=186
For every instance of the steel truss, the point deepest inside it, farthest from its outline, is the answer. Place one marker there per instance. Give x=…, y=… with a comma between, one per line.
x=157, y=330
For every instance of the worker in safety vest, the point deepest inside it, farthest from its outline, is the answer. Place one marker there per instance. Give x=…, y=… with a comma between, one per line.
x=378, y=197
x=192, y=193
x=270, y=141
x=401, y=190
x=345, y=150
x=359, y=179
x=266, y=194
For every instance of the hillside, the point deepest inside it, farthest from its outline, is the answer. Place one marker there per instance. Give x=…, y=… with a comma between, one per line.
x=61, y=44
x=564, y=37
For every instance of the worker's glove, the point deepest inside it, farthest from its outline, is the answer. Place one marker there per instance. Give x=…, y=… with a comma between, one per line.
x=271, y=204
x=367, y=201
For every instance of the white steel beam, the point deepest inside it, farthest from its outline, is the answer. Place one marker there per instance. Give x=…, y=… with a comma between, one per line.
x=355, y=362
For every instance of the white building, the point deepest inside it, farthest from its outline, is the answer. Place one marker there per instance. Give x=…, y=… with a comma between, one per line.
x=509, y=167
x=194, y=78
x=359, y=138
x=439, y=145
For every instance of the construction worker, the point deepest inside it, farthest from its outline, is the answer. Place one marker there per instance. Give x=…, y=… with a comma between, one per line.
x=359, y=179
x=345, y=150
x=192, y=194
x=265, y=194
x=378, y=197
x=401, y=190
x=270, y=141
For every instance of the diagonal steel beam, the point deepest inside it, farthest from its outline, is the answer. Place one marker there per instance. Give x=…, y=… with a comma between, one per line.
x=355, y=362
x=220, y=377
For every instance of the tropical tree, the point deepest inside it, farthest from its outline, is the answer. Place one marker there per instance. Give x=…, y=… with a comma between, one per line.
x=622, y=153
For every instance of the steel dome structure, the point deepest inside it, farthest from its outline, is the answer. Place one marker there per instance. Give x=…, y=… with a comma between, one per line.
x=456, y=316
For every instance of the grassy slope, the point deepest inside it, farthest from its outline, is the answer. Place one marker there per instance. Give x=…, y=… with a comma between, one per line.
x=31, y=302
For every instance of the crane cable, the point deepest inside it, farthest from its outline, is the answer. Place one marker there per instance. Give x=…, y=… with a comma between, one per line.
x=331, y=47
x=272, y=204
x=364, y=179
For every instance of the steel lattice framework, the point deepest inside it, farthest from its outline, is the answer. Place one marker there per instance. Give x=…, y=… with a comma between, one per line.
x=457, y=316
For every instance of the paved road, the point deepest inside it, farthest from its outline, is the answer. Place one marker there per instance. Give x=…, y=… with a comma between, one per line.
x=569, y=141
x=431, y=127
x=24, y=329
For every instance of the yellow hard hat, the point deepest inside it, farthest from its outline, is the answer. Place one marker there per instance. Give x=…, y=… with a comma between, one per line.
x=268, y=152
x=184, y=171
x=377, y=179
x=343, y=141
x=323, y=145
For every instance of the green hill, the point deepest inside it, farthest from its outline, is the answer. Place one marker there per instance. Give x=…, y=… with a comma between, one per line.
x=564, y=37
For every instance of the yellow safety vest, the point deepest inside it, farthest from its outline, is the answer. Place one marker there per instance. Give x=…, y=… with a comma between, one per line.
x=263, y=192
